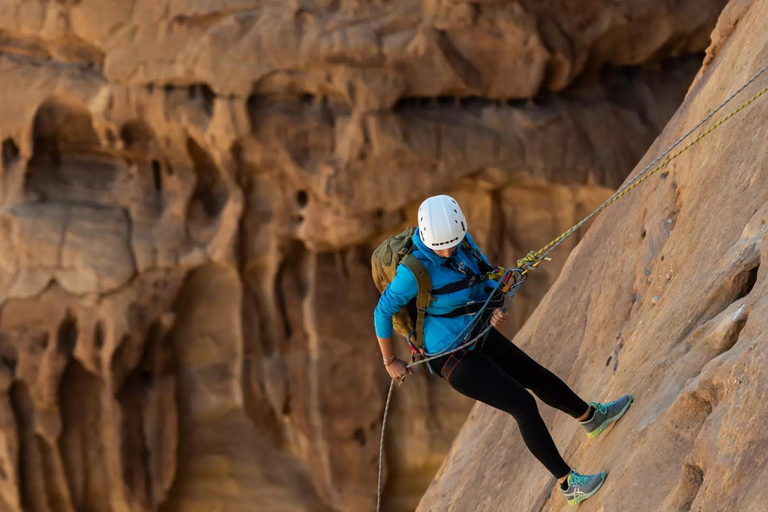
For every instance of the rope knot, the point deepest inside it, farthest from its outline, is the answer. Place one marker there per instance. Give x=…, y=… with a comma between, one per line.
x=529, y=260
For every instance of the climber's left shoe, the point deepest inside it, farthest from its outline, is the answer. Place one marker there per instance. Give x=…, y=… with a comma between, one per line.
x=605, y=414
x=581, y=487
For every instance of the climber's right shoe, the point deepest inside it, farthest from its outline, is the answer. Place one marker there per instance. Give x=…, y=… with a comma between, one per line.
x=605, y=415
x=581, y=487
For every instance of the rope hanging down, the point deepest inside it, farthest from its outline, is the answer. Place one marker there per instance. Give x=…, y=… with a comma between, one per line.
x=534, y=258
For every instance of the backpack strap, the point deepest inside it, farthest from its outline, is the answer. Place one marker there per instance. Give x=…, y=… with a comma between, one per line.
x=484, y=267
x=424, y=296
x=487, y=273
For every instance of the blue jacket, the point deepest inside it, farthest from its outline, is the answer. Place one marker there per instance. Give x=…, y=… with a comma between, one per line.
x=439, y=333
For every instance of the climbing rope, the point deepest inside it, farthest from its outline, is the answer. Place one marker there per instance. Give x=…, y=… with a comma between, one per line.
x=534, y=258
x=381, y=443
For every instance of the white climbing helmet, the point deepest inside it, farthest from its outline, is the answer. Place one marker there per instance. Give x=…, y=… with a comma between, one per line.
x=442, y=225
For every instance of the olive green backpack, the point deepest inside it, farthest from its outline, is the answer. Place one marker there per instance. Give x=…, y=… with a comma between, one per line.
x=392, y=252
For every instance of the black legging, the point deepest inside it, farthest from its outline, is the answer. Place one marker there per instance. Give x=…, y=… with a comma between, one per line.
x=498, y=373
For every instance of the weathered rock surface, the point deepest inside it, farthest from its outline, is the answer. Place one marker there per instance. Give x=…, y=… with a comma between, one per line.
x=190, y=193
x=665, y=297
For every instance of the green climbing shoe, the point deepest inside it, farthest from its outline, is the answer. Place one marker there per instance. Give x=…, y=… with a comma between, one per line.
x=605, y=414
x=581, y=487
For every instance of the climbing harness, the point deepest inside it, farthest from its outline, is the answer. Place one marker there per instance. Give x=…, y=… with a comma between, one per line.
x=503, y=287
x=508, y=287
x=475, y=308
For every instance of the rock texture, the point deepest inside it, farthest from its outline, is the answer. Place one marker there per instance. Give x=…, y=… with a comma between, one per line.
x=190, y=193
x=664, y=298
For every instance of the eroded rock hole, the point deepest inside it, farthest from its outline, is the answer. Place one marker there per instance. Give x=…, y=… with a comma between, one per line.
x=443, y=102
x=42, y=341
x=63, y=124
x=140, y=142
x=10, y=153
x=210, y=191
x=360, y=437
x=137, y=137
x=81, y=453
x=157, y=175
x=751, y=280
x=302, y=198
x=31, y=478
x=67, y=334
x=204, y=94
x=63, y=139
x=8, y=359
x=290, y=288
x=615, y=357
x=252, y=105
x=98, y=335
x=413, y=103
x=209, y=197
x=280, y=300
x=405, y=104
x=475, y=102
x=209, y=97
x=147, y=394
x=122, y=360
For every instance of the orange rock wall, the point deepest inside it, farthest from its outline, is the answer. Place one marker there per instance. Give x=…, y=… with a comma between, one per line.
x=190, y=194
x=665, y=297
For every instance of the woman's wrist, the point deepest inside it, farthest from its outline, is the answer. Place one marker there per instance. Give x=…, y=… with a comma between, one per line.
x=389, y=360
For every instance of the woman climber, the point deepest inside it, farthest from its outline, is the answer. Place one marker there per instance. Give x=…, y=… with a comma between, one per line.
x=495, y=371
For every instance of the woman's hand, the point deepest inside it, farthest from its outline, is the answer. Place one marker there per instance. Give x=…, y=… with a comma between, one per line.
x=499, y=318
x=398, y=369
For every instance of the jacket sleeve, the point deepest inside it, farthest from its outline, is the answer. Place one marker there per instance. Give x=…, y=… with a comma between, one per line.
x=400, y=291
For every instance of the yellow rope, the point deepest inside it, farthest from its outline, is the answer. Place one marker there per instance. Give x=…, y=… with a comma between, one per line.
x=534, y=258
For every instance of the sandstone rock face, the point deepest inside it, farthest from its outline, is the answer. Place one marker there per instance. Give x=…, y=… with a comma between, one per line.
x=663, y=298
x=190, y=194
